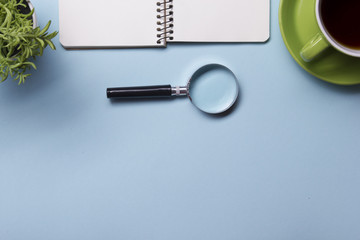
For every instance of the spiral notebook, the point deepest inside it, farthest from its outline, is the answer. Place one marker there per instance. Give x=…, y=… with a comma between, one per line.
x=154, y=23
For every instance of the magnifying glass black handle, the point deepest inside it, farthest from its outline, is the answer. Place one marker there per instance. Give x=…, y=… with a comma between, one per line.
x=140, y=92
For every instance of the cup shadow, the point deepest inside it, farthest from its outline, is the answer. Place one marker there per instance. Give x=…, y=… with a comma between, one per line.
x=342, y=89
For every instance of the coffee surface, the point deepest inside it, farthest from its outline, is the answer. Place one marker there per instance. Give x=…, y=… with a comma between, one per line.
x=341, y=18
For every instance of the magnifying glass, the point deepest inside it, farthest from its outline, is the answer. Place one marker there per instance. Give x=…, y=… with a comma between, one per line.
x=213, y=89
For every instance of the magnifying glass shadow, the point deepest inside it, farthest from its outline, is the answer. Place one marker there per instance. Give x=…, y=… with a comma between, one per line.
x=137, y=102
x=232, y=109
x=117, y=101
x=140, y=100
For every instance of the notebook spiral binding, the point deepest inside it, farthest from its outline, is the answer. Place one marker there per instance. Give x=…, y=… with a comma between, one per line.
x=165, y=23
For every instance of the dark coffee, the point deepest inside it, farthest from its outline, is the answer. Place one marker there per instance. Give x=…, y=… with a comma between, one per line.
x=341, y=19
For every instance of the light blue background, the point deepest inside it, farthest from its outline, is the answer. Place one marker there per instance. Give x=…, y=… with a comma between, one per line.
x=285, y=164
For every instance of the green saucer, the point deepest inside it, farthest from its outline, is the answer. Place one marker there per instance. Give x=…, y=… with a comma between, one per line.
x=298, y=25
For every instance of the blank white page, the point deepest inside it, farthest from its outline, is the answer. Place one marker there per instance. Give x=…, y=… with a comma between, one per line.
x=221, y=20
x=108, y=23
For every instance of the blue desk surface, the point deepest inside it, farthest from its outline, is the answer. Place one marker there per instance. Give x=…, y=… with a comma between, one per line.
x=285, y=164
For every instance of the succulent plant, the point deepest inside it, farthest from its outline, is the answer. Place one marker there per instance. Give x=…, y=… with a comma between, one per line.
x=20, y=41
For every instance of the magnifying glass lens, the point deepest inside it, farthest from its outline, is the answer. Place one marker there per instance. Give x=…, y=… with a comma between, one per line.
x=213, y=89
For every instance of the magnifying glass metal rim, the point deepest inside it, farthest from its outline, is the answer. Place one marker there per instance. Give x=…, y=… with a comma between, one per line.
x=209, y=67
x=169, y=91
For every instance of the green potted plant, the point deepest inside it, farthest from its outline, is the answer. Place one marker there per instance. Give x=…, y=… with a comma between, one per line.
x=21, y=40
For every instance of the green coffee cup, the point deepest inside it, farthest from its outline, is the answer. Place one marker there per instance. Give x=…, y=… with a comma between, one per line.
x=323, y=39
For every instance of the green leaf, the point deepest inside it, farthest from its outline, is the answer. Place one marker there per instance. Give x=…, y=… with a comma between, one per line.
x=50, y=44
x=31, y=64
x=45, y=28
x=41, y=42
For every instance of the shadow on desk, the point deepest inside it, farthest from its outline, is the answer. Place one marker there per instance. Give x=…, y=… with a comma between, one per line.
x=143, y=101
x=342, y=89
